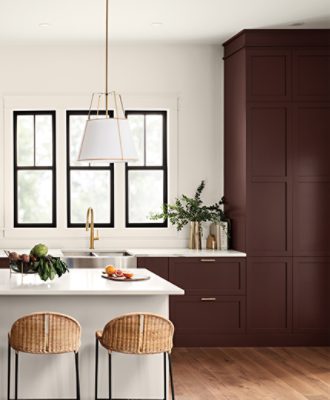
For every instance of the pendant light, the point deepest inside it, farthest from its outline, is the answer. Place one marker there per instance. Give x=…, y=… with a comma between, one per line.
x=106, y=137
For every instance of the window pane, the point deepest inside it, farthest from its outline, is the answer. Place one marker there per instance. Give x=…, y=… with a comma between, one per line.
x=154, y=139
x=136, y=123
x=90, y=189
x=34, y=197
x=25, y=140
x=145, y=195
x=44, y=139
x=77, y=128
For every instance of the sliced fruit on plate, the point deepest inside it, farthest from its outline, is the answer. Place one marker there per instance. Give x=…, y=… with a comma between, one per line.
x=128, y=275
x=119, y=273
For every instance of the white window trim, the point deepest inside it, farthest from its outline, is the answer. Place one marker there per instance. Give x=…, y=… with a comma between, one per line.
x=62, y=103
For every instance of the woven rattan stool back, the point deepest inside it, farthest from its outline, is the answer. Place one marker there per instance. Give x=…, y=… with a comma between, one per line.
x=45, y=333
x=138, y=333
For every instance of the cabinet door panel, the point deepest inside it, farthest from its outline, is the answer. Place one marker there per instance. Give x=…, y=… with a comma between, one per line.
x=311, y=218
x=312, y=140
x=268, y=75
x=268, y=137
x=311, y=294
x=311, y=74
x=208, y=275
x=208, y=315
x=268, y=219
x=158, y=265
x=311, y=195
x=269, y=294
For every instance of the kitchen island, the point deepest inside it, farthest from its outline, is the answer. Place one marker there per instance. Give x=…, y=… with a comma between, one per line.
x=93, y=301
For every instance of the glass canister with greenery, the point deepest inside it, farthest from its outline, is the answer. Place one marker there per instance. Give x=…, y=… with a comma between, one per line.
x=220, y=227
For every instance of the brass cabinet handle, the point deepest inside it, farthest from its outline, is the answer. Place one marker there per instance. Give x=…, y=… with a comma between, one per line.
x=208, y=260
x=208, y=299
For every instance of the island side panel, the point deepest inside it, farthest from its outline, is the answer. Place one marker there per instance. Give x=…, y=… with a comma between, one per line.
x=134, y=377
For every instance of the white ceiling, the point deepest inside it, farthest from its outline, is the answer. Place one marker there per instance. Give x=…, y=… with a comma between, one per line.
x=194, y=21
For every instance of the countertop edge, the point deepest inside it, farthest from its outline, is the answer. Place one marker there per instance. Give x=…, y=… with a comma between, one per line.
x=153, y=252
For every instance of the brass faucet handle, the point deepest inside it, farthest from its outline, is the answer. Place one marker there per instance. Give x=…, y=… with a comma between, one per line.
x=97, y=237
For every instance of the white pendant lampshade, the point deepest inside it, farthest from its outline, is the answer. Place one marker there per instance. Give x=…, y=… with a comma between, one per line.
x=107, y=139
x=107, y=136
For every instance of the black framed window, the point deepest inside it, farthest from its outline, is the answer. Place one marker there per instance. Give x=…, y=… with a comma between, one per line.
x=88, y=184
x=34, y=169
x=146, y=178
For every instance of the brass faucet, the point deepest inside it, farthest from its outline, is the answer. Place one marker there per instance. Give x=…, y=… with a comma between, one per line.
x=90, y=226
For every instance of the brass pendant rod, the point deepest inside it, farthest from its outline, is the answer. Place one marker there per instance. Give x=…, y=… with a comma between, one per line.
x=106, y=56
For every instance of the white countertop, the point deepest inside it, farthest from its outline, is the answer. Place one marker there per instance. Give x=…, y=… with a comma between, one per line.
x=182, y=252
x=85, y=282
x=53, y=252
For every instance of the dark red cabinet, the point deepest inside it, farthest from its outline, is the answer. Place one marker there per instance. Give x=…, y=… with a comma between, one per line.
x=4, y=263
x=311, y=213
x=214, y=301
x=269, y=131
x=311, y=288
x=158, y=265
x=269, y=294
x=268, y=181
x=204, y=320
x=267, y=74
x=208, y=276
x=277, y=141
x=311, y=74
x=277, y=177
x=214, y=305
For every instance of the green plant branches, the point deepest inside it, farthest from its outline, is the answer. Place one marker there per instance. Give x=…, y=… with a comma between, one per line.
x=190, y=209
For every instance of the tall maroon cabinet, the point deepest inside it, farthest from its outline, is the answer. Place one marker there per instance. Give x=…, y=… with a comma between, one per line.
x=277, y=176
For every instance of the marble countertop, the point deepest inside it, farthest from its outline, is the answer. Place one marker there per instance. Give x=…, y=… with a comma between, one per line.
x=85, y=282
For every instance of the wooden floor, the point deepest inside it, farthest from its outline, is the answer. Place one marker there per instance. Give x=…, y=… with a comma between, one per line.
x=291, y=373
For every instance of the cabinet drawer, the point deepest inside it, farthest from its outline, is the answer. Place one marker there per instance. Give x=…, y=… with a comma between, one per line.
x=222, y=276
x=157, y=265
x=198, y=315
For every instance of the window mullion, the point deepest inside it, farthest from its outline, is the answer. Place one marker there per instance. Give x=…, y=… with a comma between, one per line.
x=34, y=140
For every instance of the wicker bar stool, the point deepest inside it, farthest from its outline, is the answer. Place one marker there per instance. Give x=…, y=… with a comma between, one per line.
x=136, y=333
x=44, y=333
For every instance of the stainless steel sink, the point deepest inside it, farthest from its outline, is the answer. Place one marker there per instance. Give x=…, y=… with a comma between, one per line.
x=111, y=253
x=77, y=253
x=99, y=259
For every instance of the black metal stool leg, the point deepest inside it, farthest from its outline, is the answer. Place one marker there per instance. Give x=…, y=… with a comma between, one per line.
x=171, y=375
x=165, y=378
x=96, y=366
x=110, y=380
x=76, y=355
x=16, y=374
x=9, y=370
